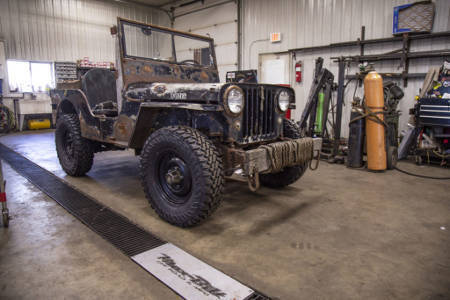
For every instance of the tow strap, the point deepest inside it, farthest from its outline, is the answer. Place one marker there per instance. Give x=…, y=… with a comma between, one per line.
x=289, y=153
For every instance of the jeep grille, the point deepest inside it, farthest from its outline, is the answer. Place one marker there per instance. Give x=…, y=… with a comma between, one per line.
x=259, y=119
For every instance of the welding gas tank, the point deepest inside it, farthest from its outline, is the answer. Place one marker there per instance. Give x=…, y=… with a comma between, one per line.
x=356, y=138
x=376, y=147
x=38, y=124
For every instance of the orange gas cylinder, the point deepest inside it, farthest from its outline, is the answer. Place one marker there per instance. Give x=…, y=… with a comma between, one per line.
x=376, y=149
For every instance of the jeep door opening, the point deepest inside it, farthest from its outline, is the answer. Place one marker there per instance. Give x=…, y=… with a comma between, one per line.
x=165, y=102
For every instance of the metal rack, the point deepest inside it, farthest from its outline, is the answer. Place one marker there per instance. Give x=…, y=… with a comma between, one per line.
x=65, y=71
x=404, y=54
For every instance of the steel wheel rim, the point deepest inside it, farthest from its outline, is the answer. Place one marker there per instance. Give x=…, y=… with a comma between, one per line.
x=175, y=178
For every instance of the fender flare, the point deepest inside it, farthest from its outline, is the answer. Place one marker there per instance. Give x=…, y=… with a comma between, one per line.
x=75, y=101
x=153, y=116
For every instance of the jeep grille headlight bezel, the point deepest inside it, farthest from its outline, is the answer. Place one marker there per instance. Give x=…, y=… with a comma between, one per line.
x=232, y=106
x=283, y=100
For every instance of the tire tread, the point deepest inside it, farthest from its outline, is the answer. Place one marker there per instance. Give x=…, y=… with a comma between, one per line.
x=83, y=150
x=210, y=163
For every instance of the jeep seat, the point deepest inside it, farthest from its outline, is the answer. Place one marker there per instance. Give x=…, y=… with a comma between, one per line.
x=99, y=86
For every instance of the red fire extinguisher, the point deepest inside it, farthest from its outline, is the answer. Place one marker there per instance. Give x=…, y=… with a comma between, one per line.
x=298, y=71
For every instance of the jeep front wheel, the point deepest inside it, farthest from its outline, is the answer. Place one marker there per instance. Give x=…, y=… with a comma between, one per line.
x=75, y=153
x=181, y=172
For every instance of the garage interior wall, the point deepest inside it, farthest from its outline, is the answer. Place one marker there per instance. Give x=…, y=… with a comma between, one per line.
x=218, y=22
x=66, y=30
x=305, y=23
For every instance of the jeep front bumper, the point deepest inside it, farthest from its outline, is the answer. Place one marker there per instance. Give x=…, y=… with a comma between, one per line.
x=273, y=157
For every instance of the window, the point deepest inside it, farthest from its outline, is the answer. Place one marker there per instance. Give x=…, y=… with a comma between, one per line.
x=31, y=77
x=144, y=41
x=193, y=50
x=147, y=43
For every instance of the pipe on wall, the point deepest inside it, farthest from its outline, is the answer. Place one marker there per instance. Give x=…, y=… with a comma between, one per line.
x=250, y=51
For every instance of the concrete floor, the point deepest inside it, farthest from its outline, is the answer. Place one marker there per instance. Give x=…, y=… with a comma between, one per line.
x=337, y=233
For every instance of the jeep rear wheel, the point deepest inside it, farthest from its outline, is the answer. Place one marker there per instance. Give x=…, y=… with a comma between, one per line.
x=181, y=172
x=75, y=153
x=289, y=175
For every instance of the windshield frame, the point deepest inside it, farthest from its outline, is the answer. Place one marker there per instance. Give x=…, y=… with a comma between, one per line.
x=172, y=33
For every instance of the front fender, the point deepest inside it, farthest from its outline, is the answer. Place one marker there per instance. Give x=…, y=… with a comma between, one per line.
x=153, y=116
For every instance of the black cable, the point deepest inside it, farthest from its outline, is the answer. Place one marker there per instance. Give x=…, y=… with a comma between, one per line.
x=348, y=81
x=421, y=176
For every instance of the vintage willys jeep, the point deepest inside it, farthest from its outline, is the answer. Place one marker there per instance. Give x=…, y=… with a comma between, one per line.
x=165, y=102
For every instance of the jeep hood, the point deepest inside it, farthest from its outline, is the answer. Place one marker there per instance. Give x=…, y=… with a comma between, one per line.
x=177, y=92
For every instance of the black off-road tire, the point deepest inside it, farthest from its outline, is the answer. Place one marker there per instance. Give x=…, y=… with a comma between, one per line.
x=200, y=157
x=78, y=161
x=289, y=175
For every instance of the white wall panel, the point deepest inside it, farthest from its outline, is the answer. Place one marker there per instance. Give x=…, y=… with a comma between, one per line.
x=52, y=30
x=218, y=22
x=305, y=23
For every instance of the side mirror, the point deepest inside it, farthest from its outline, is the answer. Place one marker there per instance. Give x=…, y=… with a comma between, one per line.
x=113, y=30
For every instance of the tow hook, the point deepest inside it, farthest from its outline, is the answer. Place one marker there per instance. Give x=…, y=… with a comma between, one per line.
x=317, y=158
x=253, y=180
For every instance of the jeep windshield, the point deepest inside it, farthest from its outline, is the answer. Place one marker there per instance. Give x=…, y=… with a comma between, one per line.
x=155, y=43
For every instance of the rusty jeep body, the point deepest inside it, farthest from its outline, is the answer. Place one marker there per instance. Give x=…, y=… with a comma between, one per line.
x=165, y=101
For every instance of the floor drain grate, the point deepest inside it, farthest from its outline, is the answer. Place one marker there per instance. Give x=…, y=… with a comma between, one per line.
x=116, y=229
x=113, y=227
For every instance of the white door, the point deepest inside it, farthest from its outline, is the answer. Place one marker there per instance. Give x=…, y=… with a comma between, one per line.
x=274, y=68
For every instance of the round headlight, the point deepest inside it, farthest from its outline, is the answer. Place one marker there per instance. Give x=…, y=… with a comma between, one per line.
x=283, y=100
x=234, y=100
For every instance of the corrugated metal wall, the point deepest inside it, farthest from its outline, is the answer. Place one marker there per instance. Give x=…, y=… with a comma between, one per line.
x=59, y=30
x=306, y=23
x=71, y=29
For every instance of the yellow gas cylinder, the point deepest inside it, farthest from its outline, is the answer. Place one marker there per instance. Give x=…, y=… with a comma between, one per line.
x=376, y=149
x=39, y=124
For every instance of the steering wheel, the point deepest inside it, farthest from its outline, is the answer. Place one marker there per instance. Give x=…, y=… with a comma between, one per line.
x=192, y=61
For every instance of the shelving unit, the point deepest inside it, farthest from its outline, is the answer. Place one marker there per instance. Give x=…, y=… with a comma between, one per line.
x=65, y=71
